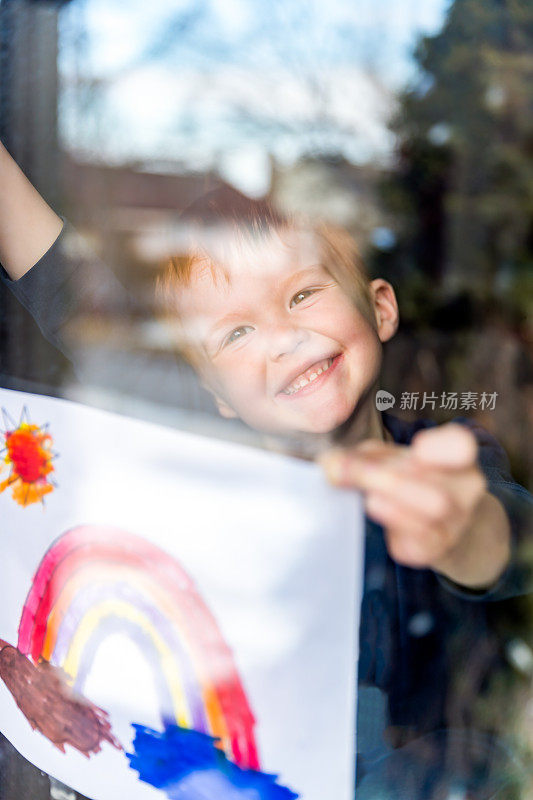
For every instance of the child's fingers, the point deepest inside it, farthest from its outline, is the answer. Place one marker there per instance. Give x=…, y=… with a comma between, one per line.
x=437, y=496
x=410, y=540
x=387, y=473
x=414, y=494
x=434, y=498
x=448, y=446
x=349, y=467
x=389, y=513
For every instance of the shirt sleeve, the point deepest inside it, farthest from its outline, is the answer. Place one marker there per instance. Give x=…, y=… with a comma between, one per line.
x=67, y=282
x=517, y=579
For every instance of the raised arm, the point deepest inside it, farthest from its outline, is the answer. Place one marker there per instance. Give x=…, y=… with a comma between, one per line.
x=50, y=269
x=28, y=226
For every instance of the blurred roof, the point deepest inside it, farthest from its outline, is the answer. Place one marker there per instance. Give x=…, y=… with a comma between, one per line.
x=94, y=186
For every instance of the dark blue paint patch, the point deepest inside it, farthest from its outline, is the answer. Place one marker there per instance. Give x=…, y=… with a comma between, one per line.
x=187, y=765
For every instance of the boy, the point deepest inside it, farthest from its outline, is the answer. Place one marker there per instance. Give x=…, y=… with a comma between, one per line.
x=286, y=332
x=283, y=345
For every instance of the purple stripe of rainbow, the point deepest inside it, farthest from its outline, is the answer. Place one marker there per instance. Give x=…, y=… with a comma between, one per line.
x=89, y=597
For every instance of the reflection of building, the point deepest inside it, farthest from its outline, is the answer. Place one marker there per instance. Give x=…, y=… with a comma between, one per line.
x=134, y=219
x=28, y=127
x=145, y=208
x=137, y=215
x=331, y=189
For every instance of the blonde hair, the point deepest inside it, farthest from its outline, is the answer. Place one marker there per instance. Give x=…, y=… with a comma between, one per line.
x=338, y=254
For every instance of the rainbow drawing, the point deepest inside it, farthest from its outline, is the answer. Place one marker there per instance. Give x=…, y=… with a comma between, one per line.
x=95, y=580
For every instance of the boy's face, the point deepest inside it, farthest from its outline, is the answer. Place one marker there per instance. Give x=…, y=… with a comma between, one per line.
x=281, y=346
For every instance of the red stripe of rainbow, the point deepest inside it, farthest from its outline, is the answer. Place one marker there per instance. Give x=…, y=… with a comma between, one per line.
x=108, y=559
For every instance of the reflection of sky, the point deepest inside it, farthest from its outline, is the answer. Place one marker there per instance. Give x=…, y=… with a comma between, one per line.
x=227, y=81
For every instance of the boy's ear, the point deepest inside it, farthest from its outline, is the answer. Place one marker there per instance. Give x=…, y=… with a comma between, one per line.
x=385, y=309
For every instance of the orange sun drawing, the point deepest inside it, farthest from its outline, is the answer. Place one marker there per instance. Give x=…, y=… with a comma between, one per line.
x=28, y=451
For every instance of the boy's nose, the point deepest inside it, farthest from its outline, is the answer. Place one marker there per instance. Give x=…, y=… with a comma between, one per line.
x=284, y=340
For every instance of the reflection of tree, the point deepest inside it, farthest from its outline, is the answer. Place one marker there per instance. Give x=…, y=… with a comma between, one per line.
x=304, y=34
x=465, y=187
x=462, y=194
x=82, y=99
x=463, y=198
x=276, y=75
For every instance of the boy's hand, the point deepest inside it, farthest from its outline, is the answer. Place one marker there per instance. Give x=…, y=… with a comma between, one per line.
x=431, y=498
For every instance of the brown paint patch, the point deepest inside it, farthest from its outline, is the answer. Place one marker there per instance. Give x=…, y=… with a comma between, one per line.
x=50, y=705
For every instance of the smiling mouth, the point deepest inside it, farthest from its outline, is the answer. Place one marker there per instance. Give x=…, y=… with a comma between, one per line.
x=309, y=376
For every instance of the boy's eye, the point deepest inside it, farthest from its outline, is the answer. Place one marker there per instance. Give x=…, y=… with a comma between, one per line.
x=238, y=333
x=301, y=296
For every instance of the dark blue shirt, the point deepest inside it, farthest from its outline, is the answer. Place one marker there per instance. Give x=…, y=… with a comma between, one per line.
x=423, y=640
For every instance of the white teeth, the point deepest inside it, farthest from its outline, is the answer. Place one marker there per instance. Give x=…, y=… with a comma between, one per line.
x=299, y=383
